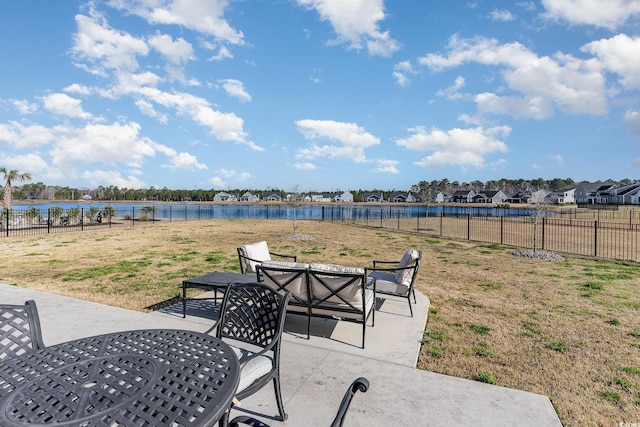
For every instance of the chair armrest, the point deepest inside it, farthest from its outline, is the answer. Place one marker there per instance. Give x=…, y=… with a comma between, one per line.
x=293, y=257
x=376, y=262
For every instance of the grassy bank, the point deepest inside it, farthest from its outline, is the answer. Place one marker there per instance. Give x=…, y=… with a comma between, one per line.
x=569, y=330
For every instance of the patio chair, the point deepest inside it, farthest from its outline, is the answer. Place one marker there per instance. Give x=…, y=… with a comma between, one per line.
x=19, y=329
x=360, y=384
x=253, y=315
x=254, y=254
x=397, y=280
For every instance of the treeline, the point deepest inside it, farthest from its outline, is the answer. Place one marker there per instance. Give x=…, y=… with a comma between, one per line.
x=40, y=191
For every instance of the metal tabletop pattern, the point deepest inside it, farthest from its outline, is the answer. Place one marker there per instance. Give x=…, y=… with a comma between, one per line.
x=133, y=378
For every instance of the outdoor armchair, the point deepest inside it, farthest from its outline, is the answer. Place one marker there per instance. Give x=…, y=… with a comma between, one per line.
x=252, y=255
x=251, y=320
x=396, y=278
x=19, y=329
x=360, y=384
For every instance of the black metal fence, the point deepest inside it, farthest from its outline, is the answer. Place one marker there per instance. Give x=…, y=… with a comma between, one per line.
x=612, y=235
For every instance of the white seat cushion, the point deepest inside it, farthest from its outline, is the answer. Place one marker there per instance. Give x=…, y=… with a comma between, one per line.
x=254, y=369
x=405, y=276
x=258, y=252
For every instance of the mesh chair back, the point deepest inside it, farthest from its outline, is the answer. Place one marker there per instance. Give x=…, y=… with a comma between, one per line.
x=19, y=329
x=252, y=313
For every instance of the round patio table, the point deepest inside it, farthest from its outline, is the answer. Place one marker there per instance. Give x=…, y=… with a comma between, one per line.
x=134, y=378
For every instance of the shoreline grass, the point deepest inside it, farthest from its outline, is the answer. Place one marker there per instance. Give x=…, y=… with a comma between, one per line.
x=568, y=329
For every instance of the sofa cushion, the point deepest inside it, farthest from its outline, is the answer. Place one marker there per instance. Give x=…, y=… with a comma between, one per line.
x=258, y=252
x=253, y=369
x=287, y=276
x=404, y=276
x=324, y=279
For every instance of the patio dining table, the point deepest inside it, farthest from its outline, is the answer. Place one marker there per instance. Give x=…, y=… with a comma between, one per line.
x=133, y=378
x=216, y=281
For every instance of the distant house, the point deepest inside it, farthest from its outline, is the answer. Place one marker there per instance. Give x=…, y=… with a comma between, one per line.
x=566, y=196
x=249, y=197
x=587, y=192
x=225, y=197
x=463, y=196
x=372, y=197
x=539, y=196
x=621, y=195
x=318, y=197
x=519, y=197
x=443, y=197
x=490, y=197
x=273, y=197
x=346, y=197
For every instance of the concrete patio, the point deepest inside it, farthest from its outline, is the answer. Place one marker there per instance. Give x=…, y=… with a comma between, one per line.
x=316, y=372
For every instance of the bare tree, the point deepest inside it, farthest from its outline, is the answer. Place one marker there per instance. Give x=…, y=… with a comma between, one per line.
x=294, y=199
x=539, y=205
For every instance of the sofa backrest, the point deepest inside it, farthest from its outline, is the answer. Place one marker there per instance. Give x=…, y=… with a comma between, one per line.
x=337, y=284
x=287, y=276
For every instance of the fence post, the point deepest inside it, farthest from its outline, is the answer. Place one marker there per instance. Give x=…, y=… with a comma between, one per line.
x=468, y=226
x=6, y=223
x=502, y=229
x=81, y=219
x=595, y=238
x=441, y=219
x=398, y=220
x=133, y=215
x=49, y=221
x=544, y=220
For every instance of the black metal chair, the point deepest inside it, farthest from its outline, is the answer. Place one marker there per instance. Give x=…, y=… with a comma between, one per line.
x=254, y=314
x=20, y=330
x=397, y=280
x=360, y=384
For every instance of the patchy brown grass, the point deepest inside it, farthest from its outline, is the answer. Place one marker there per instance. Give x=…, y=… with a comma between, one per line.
x=569, y=330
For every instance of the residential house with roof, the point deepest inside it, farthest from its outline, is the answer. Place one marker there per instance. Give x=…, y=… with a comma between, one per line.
x=618, y=195
x=345, y=197
x=273, y=197
x=442, y=197
x=372, y=197
x=225, y=197
x=587, y=192
x=403, y=198
x=463, y=196
x=249, y=197
x=485, y=196
x=565, y=196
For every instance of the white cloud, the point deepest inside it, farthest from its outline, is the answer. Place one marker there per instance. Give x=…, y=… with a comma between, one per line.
x=64, y=105
x=226, y=173
x=599, y=13
x=540, y=85
x=305, y=166
x=457, y=147
x=100, y=177
x=402, y=73
x=387, y=166
x=176, y=51
x=620, y=55
x=78, y=89
x=21, y=136
x=356, y=23
x=452, y=93
x=104, y=48
x=556, y=158
x=33, y=163
x=350, y=140
x=218, y=182
x=235, y=89
x=501, y=15
x=632, y=122
x=185, y=161
x=204, y=16
x=24, y=106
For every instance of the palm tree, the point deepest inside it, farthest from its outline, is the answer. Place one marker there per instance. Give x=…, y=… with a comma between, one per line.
x=11, y=175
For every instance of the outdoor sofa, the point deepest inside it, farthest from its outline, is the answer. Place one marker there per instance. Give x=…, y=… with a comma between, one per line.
x=322, y=290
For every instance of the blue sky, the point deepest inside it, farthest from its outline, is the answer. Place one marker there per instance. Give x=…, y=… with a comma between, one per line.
x=321, y=94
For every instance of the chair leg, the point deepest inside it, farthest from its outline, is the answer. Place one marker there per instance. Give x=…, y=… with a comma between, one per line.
x=276, y=386
x=410, y=307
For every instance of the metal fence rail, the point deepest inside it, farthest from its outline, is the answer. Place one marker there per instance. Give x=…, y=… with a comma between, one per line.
x=569, y=232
